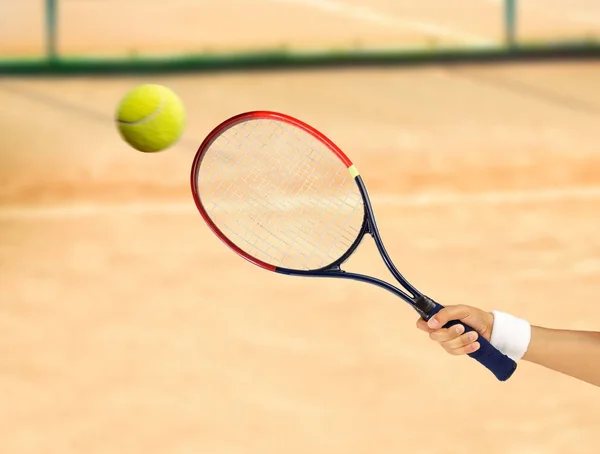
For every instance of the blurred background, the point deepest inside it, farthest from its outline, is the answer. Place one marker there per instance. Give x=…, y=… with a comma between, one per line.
x=126, y=327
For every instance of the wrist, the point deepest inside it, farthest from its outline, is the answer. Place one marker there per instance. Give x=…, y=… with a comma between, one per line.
x=510, y=335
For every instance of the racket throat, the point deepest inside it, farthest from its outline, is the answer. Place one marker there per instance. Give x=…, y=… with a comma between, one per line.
x=425, y=306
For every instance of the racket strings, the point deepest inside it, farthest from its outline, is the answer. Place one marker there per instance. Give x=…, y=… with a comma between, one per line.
x=280, y=194
x=304, y=245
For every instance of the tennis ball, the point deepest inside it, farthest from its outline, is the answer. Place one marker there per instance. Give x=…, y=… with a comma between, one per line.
x=151, y=118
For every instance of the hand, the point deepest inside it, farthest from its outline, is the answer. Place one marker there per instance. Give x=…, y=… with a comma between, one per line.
x=454, y=339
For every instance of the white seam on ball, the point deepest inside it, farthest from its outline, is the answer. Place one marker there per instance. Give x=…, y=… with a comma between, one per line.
x=154, y=114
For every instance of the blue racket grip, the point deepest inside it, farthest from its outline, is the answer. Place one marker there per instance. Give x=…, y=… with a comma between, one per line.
x=489, y=356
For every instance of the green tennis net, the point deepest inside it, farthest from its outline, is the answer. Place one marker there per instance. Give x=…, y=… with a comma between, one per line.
x=136, y=28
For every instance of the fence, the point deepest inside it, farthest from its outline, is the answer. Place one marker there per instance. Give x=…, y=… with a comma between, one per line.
x=128, y=35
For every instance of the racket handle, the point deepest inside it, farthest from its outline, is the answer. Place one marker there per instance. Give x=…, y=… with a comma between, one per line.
x=489, y=356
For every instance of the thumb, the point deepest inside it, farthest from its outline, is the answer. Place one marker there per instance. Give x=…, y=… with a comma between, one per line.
x=477, y=319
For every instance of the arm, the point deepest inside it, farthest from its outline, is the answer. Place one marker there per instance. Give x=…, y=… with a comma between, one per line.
x=574, y=353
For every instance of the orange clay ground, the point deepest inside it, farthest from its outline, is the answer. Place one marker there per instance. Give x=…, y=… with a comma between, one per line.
x=127, y=327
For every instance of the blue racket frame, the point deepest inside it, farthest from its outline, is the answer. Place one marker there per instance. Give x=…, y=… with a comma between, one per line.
x=487, y=355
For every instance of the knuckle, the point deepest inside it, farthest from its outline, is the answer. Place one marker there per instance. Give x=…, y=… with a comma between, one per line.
x=458, y=342
x=442, y=317
x=467, y=338
x=453, y=339
x=440, y=335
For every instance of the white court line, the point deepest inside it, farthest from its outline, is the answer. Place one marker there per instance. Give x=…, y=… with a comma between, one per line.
x=500, y=198
x=367, y=14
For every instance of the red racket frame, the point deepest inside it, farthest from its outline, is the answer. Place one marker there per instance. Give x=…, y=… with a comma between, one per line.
x=216, y=132
x=499, y=364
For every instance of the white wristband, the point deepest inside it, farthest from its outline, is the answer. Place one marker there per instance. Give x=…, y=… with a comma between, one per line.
x=510, y=335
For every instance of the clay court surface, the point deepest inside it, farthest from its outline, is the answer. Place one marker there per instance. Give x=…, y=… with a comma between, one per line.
x=127, y=327
x=147, y=26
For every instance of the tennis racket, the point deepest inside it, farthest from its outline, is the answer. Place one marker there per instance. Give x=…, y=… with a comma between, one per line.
x=287, y=199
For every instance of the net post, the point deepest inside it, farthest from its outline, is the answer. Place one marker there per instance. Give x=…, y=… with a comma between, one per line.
x=51, y=29
x=510, y=22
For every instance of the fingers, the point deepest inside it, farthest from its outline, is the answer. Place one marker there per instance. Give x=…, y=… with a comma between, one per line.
x=455, y=341
x=479, y=320
x=447, y=334
x=422, y=325
x=448, y=314
x=465, y=350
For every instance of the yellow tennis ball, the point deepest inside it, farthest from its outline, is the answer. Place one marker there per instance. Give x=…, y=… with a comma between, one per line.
x=151, y=118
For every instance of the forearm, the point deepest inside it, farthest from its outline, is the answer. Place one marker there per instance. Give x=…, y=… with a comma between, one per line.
x=574, y=353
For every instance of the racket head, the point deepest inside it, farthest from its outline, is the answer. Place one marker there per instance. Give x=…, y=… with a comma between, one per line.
x=227, y=147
